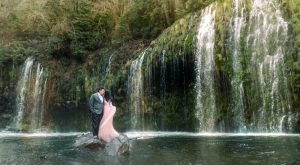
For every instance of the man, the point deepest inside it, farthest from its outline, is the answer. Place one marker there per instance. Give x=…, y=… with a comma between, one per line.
x=96, y=108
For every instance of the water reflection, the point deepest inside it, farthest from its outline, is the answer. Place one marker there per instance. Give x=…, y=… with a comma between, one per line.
x=216, y=150
x=160, y=148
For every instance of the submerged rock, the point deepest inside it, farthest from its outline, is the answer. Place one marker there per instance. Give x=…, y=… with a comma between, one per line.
x=118, y=146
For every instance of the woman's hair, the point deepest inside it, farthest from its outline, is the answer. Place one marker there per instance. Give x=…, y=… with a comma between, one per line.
x=108, y=97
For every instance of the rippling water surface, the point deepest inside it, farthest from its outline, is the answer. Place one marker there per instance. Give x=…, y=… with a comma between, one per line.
x=154, y=148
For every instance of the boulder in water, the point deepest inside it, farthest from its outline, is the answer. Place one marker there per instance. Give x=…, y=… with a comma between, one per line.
x=88, y=141
x=117, y=146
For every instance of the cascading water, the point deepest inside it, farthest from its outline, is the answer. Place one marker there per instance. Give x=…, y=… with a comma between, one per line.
x=255, y=46
x=21, y=97
x=206, y=101
x=38, y=97
x=43, y=104
x=268, y=33
x=136, y=92
x=162, y=72
x=163, y=84
x=30, y=98
x=107, y=71
x=257, y=38
x=237, y=28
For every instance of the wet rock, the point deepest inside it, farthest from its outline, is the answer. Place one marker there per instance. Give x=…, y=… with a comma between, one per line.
x=118, y=146
x=88, y=141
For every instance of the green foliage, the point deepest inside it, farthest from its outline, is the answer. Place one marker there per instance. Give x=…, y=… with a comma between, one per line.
x=122, y=32
x=89, y=32
x=16, y=52
x=76, y=28
x=146, y=21
x=195, y=5
x=292, y=12
x=292, y=7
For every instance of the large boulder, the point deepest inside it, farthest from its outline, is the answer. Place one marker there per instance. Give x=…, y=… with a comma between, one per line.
x=118, y=146
x=88, y=141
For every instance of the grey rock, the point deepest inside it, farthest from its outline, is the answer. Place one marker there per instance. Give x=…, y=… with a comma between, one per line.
x=88, y=141
x=118, y=146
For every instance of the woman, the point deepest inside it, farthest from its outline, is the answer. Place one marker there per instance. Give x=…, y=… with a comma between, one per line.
x=106, y=129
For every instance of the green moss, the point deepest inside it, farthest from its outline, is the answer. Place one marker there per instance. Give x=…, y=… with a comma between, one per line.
x=177, y=39
x=291, y=12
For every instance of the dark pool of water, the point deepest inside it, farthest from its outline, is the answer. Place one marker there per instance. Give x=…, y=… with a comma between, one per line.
x=155, y=150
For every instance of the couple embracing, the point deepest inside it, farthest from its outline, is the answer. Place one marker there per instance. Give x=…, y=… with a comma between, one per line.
x=102, y=113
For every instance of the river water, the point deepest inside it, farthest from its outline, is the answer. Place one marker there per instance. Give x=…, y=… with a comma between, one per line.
x=154, y=148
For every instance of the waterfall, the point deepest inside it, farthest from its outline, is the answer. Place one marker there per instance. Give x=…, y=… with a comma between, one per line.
x=268, y=33
x=38, y=97
x=21, y=97
x=109, y=64
x=107, y=70
x=42, y=105
x=163, y=86
x=31, y=97
x=162, y=79
x=237, y=99
x=136, y=92
x=205, y=88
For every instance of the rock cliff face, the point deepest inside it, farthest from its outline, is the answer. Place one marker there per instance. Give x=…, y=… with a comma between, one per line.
x=224, y=66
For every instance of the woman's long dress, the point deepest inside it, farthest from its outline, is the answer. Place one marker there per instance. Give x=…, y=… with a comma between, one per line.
x=106, y=128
